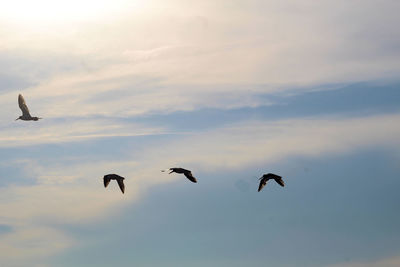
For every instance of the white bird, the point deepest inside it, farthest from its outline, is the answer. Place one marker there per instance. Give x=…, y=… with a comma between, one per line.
x=26, y=116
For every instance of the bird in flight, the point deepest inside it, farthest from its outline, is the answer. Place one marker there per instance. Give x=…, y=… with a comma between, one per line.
x=120, y=180
x=187, y=173
x=264, y=179
x=26, y=116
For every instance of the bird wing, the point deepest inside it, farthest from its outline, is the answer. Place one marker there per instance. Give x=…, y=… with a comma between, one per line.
x=271, y=176
x=121, y=185
x=23, y=106
x=279, y=181
x=263, y=182
x=190, y=176
x=179, y=170
x=106, y=181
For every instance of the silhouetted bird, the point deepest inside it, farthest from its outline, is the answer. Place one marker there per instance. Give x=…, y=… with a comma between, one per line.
x=187, y=173
x=264, y=179
x=26, y=116
x=107, y=178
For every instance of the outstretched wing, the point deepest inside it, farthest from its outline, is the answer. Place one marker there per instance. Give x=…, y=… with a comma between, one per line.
x=190, y=176
x=271, y=176
x=23, y=106
x=280, y=181
x=263, y=182
x=121, y=185
x=106, y=181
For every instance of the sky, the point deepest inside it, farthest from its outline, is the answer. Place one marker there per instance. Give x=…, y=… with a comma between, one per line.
x=228, y=89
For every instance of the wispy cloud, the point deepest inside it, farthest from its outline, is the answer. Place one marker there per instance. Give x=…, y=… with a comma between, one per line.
x=386, y=262
x=75, y=194
x=212, y=56
x=32, y=244
x=70, y=130
x=254, y=142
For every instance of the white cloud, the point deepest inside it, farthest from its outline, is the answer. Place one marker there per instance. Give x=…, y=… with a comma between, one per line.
x=73, y=202
x=31, y=245
x=38, y=212
x=162, y=60
x=260, y=141
x=23, y=133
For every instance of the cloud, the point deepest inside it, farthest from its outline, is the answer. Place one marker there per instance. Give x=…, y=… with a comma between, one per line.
x=66, y=202
x=251, y=143
x=213, y=56
x=31, y=244
x=386, y=262
x=49, y=131
x=39, y=212
x=71, y=191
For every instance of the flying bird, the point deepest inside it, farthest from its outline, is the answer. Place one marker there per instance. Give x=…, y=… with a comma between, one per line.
x=26, y=116
x=187, y=173
x=120, y=180
x=264, y=179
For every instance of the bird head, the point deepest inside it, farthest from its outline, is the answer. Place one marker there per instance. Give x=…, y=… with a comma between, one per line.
x=19, y=118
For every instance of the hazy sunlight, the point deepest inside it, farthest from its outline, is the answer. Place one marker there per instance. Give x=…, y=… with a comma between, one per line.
x=26, y=11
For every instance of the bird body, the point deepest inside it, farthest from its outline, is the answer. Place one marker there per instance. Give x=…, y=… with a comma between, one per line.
x=264, y=179
x=120, y=180
x=26, y=116
x=187, y=173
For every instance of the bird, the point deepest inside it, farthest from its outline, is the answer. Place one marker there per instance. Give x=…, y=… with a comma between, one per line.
x=187, y=173
x=264, y=179
x=26, y=116
x=120, y=180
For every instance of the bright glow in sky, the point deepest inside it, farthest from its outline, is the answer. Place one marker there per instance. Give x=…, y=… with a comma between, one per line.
x=26, y=11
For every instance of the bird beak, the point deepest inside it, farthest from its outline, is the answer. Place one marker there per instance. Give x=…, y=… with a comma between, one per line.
x=17, y=119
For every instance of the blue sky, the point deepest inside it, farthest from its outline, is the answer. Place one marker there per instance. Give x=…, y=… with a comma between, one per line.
x=228, y=89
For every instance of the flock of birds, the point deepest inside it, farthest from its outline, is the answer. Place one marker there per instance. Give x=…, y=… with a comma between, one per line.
x=26, y=116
